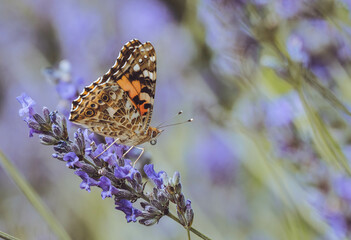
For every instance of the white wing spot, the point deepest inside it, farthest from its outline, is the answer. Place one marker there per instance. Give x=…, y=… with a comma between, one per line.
x=111, y=111
x=136, y=67
x=152, y=76
x=145, y=56
x=140, y=60
x=146, y=73
x=153, y=59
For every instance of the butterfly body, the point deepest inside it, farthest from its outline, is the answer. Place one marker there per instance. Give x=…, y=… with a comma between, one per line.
x=120, y=103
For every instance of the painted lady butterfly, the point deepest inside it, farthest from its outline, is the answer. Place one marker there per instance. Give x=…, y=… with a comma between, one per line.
x=119, y=104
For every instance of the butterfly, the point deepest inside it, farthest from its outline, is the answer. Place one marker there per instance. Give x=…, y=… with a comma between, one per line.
x=120, y=103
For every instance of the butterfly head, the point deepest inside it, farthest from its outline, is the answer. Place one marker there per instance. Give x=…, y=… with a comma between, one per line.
x=153, y=134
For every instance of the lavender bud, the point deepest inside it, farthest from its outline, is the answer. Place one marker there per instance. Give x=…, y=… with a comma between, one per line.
x=57, y=130
x=138, y=178
x=80, y=142
x=181, y=218
x=53, y=117
x=75, y=149
x=39, y=119
x=148, y=222
x=34, y=125
x=189, y=215
x=181, y=202
x=62, y=147
x=157, y=204
x=88, y=169
x=152, y=210
x=48, y=140
x=124, y=194
x=97, y=161
x=64, y=128
x=46, y=114
x=162, y=198
x=178, y=188
x=176, y=178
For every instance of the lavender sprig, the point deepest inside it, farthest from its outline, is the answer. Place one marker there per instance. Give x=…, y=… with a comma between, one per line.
x=110, y=171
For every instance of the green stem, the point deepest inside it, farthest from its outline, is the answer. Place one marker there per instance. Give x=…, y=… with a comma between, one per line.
x=193, y=230
x=7, y=236
x=33, y=198
x=187, y=230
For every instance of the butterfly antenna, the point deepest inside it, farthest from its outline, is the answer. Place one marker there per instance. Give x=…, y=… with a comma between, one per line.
x=189, y=120
x=160, y=125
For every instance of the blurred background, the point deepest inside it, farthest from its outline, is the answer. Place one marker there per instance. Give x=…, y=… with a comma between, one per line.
x=267, y=82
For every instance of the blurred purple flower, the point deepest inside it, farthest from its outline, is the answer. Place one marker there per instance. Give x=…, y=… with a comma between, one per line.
x=148, y=23
x=342, y=186
x=279, y=113
x=218, y=160
x=316, y=43
x=289, y=8
x=338, y=223
x=87, y=181
x=296, y=49
x=66, y=90
x=157, y=178
x=27, y=103
x=127, y=207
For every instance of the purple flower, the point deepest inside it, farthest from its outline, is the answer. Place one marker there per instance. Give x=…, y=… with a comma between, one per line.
x=342, y=187
x=157, y=178
x=89, y=142
x=116, y=148
x=107, y=189
x=108, y=156
x=27, y=106
x=127, y=207
x=338, y=223
x=289, y=8
x=281, y=111
x=67, y=90
x=126, y=171
x=216, y=158
x=297, y=50
x=71, y=159
x=87, y=181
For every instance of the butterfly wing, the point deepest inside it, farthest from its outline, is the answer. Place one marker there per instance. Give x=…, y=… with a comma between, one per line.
x=119, y=104
x=138, y=78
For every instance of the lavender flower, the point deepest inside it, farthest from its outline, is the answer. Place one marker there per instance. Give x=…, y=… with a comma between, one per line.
x=110, y=171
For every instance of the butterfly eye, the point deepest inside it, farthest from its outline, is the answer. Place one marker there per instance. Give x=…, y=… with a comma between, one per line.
x=153, y=142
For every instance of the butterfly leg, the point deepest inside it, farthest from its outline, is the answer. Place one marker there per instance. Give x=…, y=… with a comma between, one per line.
x=142, y=151
x=107, y=148
x=124, y=154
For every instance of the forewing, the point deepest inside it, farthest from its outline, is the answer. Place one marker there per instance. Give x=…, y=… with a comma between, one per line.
x=138, y=78
x=122, y=99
